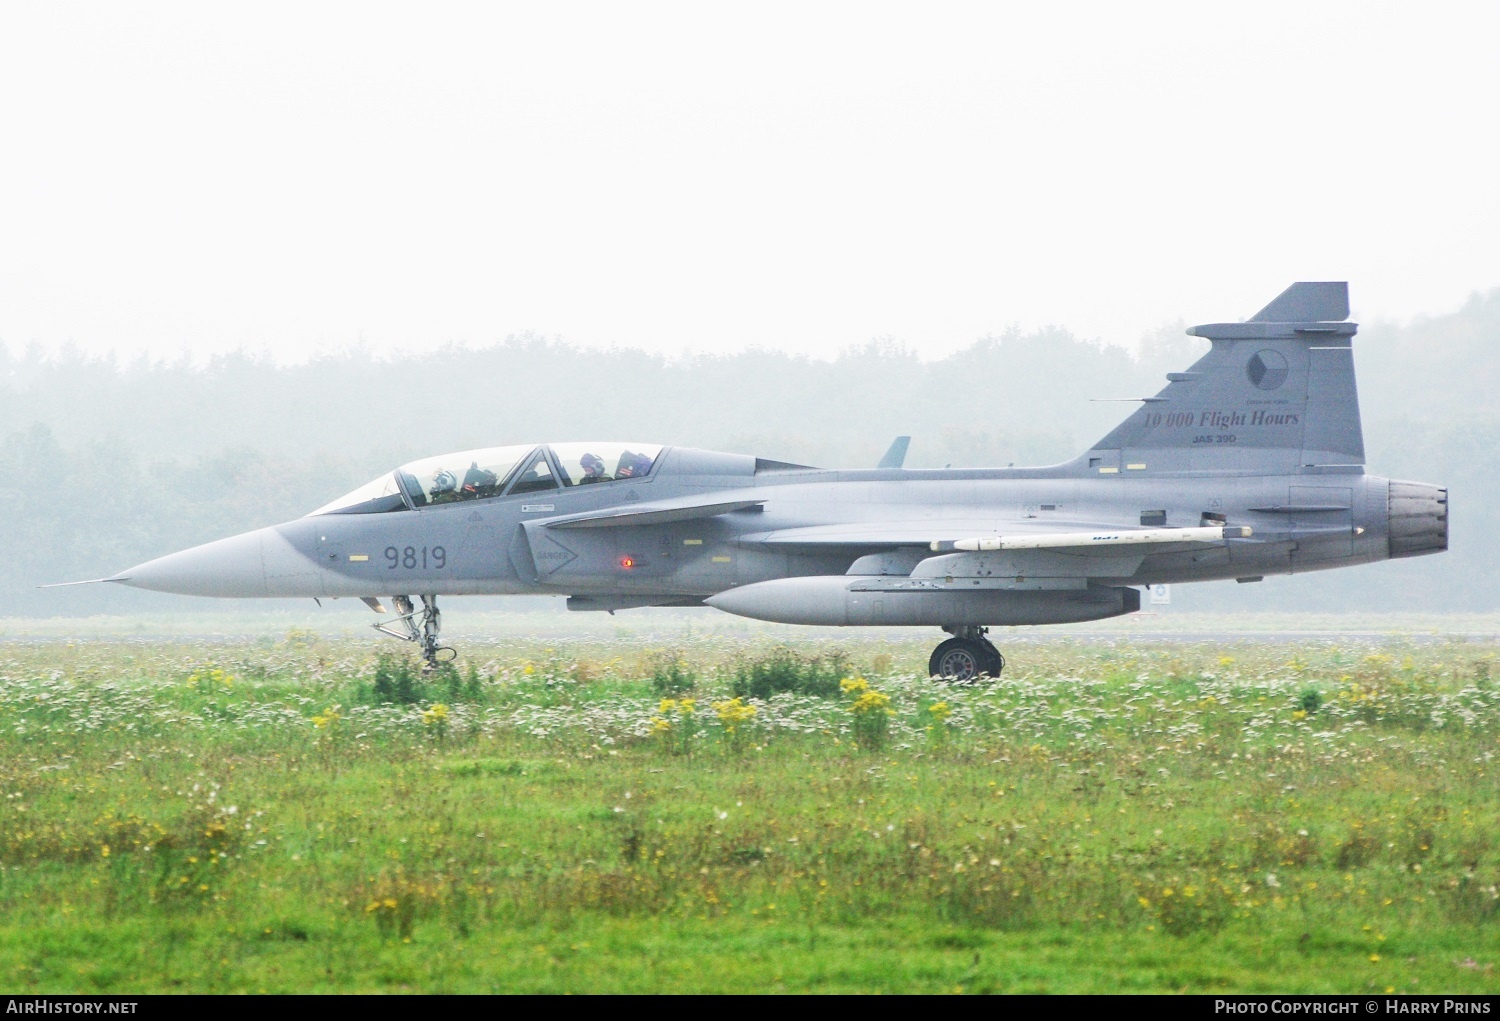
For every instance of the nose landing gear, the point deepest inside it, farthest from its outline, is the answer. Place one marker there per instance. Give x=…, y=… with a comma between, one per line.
x=420, y=626
x=967, y=656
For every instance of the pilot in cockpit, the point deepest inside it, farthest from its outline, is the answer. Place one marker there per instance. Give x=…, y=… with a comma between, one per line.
x=593, y=469
x=444, y=488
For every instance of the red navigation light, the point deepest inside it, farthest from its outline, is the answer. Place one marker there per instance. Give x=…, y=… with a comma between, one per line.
x=627, y=562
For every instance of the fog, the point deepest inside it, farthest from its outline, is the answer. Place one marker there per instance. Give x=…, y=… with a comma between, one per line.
x=676, y=177
x=113, y=463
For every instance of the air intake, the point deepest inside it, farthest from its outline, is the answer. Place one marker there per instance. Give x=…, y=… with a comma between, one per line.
x=1418, y=519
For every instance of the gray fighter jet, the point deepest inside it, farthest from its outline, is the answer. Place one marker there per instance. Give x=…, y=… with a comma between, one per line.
x=1249, y=463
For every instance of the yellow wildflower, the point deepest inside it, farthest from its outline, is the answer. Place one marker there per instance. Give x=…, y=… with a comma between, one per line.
x=734, y=712
x=871, y=702
x=207, y=678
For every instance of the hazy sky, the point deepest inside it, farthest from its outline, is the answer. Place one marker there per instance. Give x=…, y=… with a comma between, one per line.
x=706, y=176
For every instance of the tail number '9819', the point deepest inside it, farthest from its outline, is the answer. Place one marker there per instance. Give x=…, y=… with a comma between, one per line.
x=414, y=557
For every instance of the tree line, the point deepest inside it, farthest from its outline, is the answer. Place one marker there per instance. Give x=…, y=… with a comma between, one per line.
x=107, y=463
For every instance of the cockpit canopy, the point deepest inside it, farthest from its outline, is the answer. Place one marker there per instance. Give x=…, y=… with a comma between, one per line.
x=497, y=471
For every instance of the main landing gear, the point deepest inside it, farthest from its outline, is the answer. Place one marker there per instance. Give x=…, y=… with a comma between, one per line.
x=967, y=656
x=420, y=626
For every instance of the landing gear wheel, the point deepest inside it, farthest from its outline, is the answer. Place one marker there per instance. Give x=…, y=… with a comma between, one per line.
x=420, y=626
x=962, y=660
x=965, y=657
x=995, y=663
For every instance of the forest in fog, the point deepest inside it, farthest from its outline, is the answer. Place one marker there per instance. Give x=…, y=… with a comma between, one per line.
x=108, y=463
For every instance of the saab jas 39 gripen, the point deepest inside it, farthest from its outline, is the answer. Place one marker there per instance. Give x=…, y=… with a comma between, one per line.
x=1249, y=463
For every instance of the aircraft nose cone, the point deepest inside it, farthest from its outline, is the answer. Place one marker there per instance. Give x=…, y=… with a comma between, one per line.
x=228, y=567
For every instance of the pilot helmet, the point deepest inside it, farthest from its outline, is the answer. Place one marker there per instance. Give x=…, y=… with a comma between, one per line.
x=592, y=463
x=443, y=481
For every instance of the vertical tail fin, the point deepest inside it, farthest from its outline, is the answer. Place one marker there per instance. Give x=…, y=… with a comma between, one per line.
x=895, y=456
x=1274, y=393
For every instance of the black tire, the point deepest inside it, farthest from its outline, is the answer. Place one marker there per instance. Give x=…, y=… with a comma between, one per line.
x=996, y=662
x=960, y=661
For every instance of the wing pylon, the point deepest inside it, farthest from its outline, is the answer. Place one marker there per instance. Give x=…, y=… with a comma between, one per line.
x=1065, y=540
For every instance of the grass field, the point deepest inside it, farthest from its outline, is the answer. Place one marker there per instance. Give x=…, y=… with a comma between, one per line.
x=599, y=812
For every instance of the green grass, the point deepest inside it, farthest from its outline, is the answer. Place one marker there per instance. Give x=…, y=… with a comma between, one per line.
x=1318, y=817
